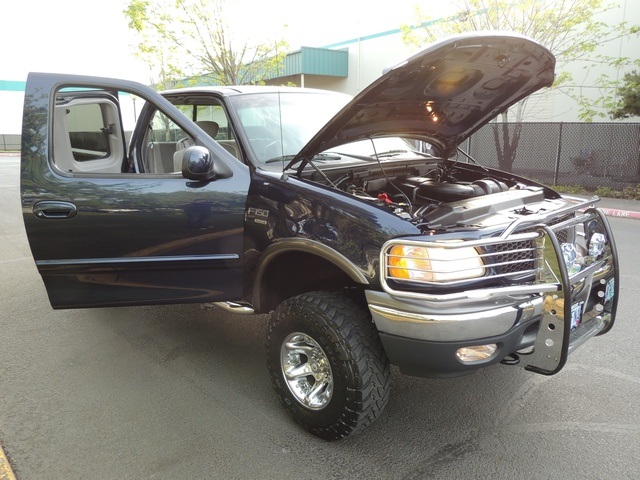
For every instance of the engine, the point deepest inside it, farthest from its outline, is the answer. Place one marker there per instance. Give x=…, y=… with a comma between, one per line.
x=418, y=193
x=439, y=199
x=421, y=190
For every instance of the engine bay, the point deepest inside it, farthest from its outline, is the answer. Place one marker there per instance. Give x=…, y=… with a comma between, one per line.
x=448, y=194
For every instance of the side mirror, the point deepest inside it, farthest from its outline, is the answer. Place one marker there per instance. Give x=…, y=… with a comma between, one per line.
x=199, y=164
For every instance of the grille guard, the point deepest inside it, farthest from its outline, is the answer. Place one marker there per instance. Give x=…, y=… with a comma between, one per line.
x=586, y=290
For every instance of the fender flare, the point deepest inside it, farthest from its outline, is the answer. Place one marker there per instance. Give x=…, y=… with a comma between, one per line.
x=305, y=245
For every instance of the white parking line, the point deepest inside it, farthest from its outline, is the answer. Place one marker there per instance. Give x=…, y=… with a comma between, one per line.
x=5, y=468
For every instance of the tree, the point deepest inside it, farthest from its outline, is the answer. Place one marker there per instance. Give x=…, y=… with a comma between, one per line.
x=628, y=104
x=191, y=38
x=569, y=28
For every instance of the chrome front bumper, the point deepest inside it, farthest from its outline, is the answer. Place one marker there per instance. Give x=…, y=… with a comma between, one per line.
x=450, y=321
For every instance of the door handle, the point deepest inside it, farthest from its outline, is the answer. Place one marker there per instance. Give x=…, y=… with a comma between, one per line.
x=55, y=210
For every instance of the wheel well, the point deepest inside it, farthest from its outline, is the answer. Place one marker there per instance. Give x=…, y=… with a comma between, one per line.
x=292, y=273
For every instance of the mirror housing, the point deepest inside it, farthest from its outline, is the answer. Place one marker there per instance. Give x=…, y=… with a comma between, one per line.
x=198, y=163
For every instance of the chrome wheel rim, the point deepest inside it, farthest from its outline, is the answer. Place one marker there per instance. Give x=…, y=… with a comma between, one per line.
x=306, y=371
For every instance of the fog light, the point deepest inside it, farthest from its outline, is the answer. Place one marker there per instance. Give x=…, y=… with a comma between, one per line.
x=572, y=259
x=476, y=353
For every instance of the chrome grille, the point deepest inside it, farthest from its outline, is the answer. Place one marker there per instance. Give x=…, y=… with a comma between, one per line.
x=519, y=257
x=515, y=257
x=562, y=235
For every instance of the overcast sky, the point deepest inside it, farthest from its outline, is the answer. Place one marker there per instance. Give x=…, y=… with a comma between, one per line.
x=92, y=37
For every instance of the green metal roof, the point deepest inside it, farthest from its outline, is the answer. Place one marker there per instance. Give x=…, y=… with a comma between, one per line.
x=317, y=61
x=306, y=61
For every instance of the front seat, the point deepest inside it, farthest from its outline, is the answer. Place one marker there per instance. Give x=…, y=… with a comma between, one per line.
x=212, y=128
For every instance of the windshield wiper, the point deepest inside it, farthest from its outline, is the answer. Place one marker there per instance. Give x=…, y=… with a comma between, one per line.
x=319, y=156
x=392, y=153
x=282, y=158
x=366, y=158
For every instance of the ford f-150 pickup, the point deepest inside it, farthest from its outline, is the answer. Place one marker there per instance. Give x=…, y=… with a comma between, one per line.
x=353, y=221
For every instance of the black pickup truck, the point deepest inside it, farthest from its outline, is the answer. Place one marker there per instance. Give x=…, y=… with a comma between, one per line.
x=354, y=221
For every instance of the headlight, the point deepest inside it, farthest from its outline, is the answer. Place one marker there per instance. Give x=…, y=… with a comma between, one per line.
x=433, y=264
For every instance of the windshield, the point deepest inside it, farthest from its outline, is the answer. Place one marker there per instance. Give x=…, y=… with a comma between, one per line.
x=280, y=124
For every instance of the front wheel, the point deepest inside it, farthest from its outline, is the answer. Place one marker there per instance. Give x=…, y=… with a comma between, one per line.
x=327, y=364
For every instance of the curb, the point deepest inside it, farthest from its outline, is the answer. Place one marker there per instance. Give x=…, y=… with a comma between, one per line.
x=6, y=473
x=614, y=212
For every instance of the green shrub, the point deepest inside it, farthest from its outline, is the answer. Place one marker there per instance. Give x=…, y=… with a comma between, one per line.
x=569, y=189
x=608, y=192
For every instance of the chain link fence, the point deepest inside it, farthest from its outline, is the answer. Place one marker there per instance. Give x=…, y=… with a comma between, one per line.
x=589, y=155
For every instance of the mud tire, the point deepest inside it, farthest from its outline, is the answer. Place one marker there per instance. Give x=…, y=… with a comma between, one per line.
x=349, y=343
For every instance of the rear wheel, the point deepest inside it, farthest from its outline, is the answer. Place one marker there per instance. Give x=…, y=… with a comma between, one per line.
x=327, y=364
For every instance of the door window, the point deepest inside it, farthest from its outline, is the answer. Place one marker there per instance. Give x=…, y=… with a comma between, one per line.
x=213, y=119
x=87, y=133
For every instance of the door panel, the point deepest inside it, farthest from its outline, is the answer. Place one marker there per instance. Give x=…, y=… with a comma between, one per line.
x=101, y=231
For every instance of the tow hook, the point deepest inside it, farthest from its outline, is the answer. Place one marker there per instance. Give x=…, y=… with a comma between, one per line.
x=511, y=359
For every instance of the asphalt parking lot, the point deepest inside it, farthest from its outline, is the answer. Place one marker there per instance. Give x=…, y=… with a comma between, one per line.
x=183, y=392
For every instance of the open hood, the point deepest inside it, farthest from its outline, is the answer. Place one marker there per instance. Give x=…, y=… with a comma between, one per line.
x=442, y=94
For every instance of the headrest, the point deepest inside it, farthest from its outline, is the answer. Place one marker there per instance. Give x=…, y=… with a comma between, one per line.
x=210, y=128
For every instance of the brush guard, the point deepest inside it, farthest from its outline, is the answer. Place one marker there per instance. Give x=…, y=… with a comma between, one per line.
x=585, y=302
